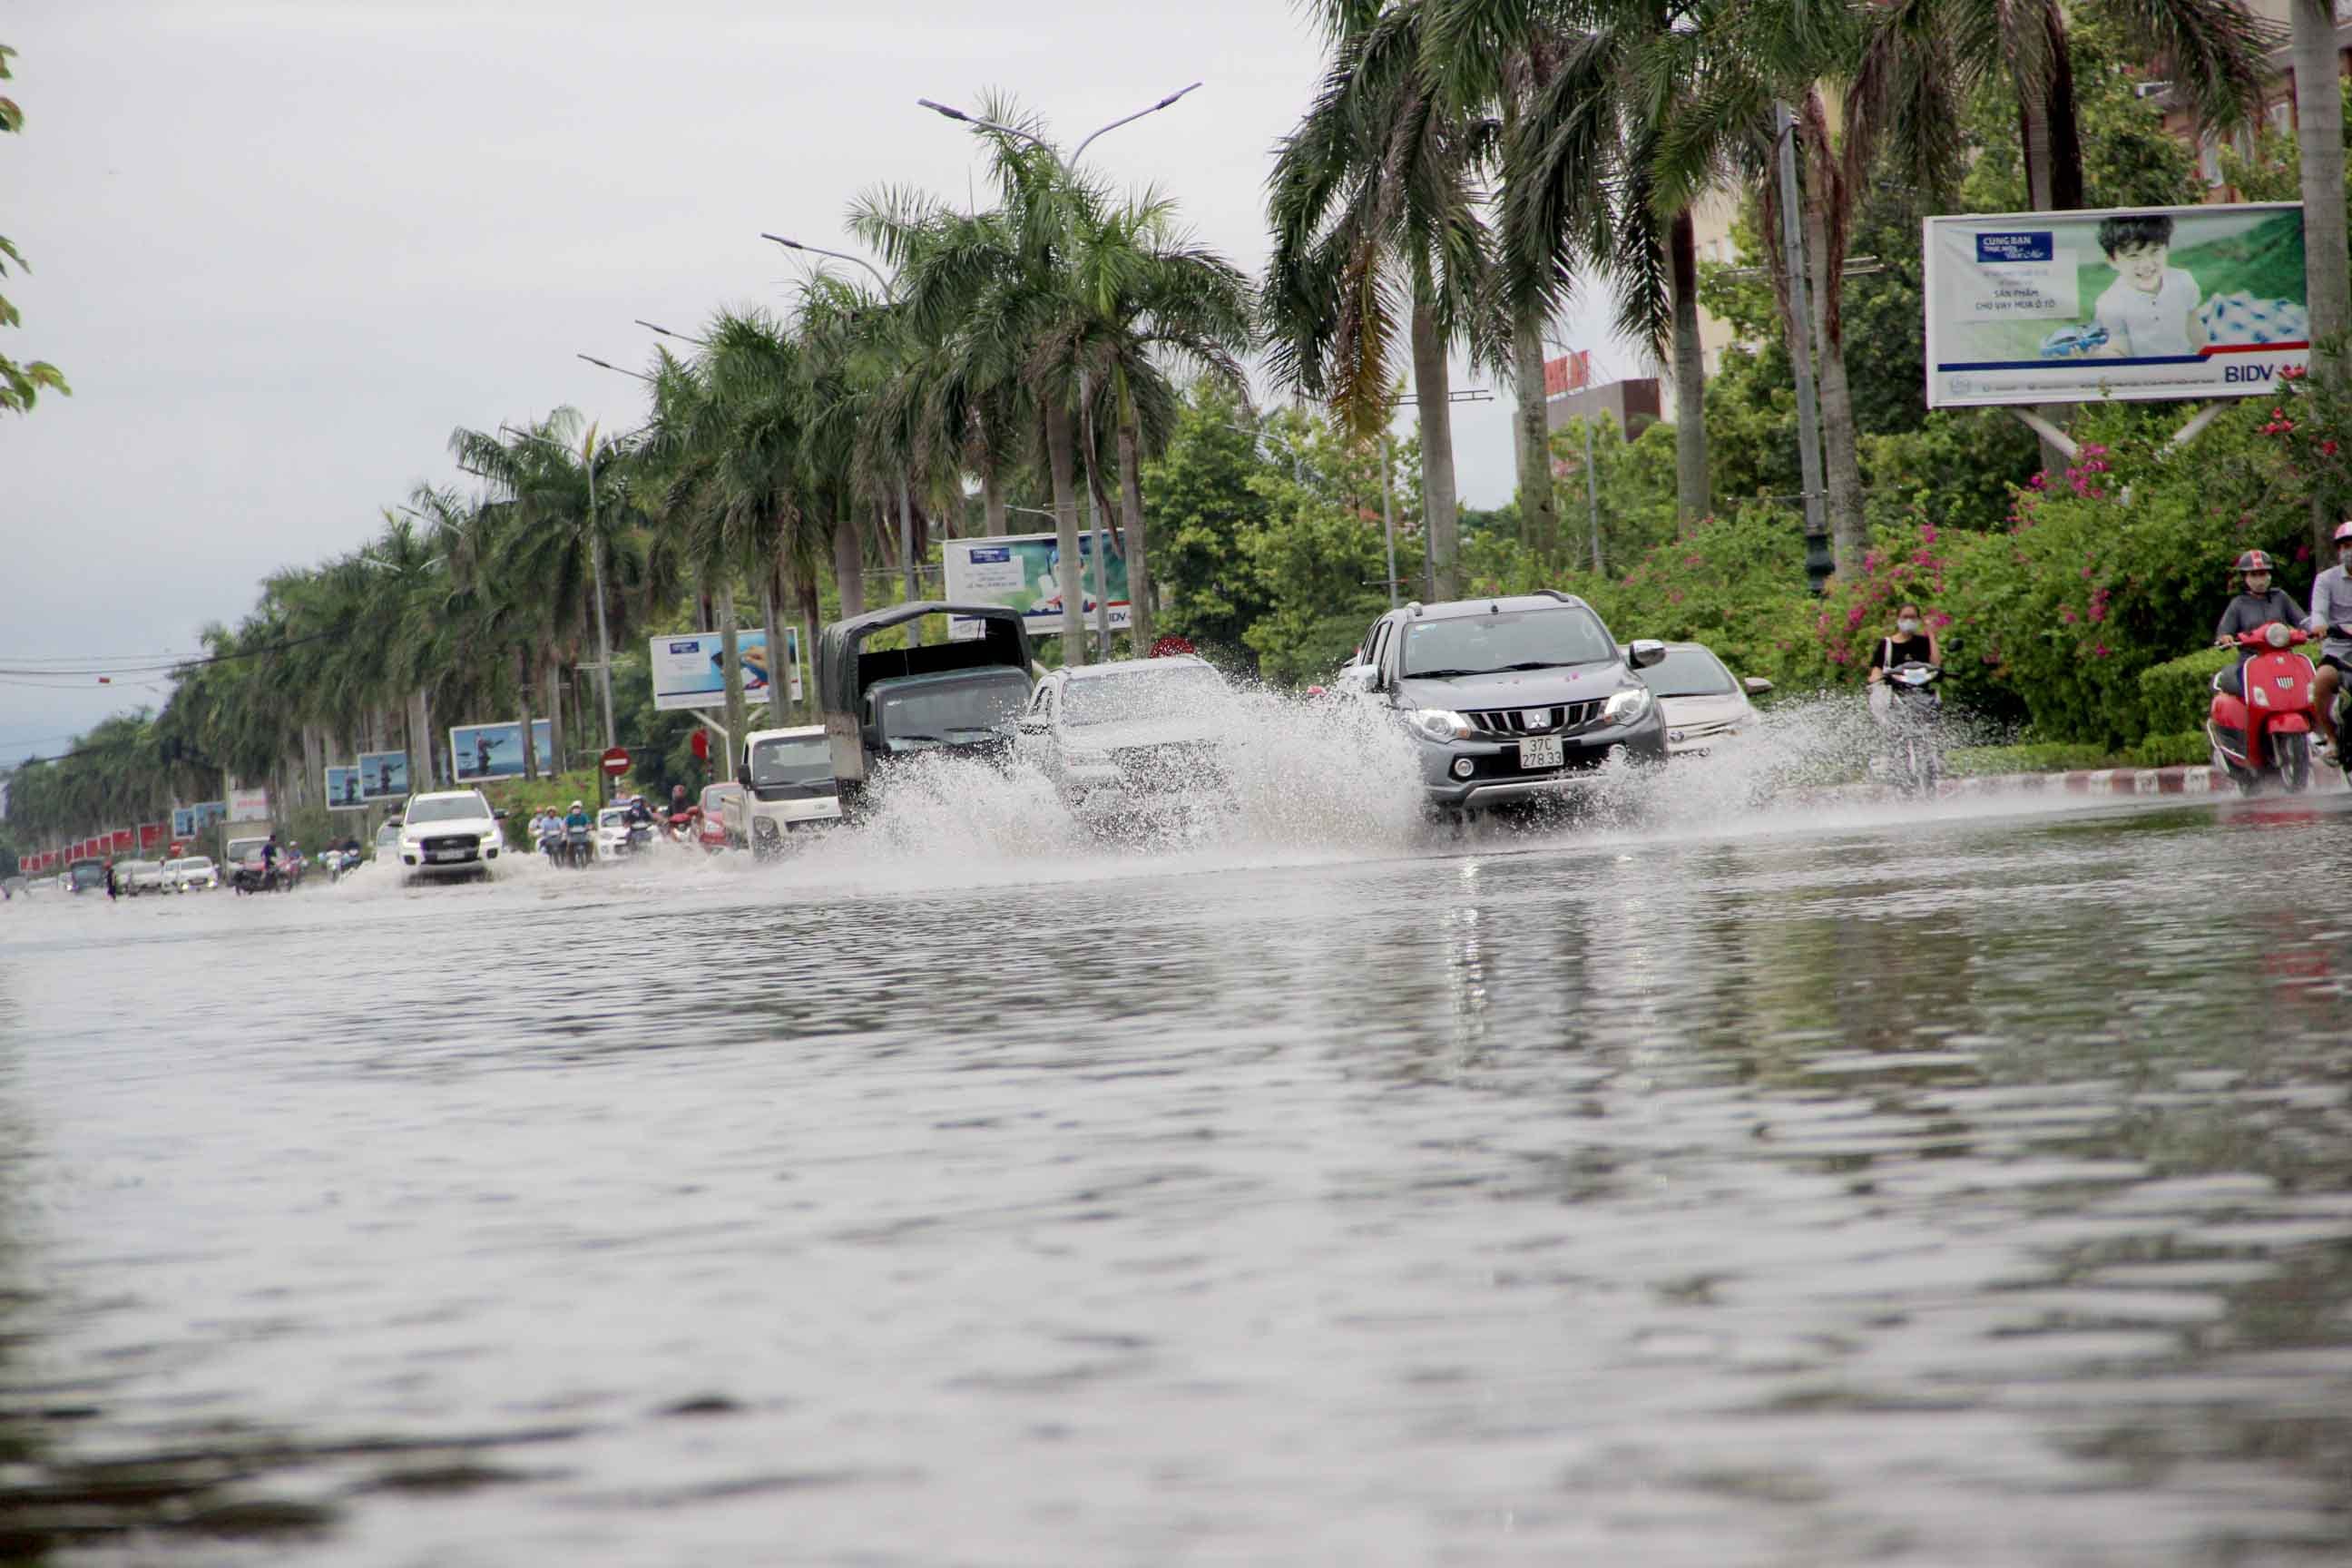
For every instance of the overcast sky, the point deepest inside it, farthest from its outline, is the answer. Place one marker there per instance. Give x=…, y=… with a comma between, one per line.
x=283, y=246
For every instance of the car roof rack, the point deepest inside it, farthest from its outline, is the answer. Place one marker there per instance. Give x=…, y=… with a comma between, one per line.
x=1561, y=595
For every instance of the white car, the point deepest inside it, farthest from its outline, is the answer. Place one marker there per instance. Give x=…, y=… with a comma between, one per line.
x=1703, y=705
x=133, y=878
x=1119, y=741
x=452, y=833
x=788, y=788
x=612, y=840
x=194, y=873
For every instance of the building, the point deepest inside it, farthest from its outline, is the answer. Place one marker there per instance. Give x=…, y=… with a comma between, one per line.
x=2278, y=104
x=1632, y=403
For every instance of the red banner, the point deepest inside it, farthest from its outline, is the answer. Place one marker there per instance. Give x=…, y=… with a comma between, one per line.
x=152, y=835
x=125, y=840
x=1570, y=372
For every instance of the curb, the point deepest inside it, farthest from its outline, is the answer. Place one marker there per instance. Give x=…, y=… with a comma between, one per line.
x=2191, y=780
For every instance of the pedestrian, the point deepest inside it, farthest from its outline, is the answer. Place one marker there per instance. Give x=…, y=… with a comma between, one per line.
x=109, y=882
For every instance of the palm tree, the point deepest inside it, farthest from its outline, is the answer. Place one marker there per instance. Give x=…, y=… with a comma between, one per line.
x=1373, y=193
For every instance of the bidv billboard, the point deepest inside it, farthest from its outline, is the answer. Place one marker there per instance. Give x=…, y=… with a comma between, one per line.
x=689, y=669
x=2146, y=304
x=1025, y=572
x=479, y=751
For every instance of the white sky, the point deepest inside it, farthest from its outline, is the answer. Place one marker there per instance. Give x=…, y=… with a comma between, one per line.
x=283, y=246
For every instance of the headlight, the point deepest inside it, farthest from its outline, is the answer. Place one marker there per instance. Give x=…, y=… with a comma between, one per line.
x=2276, y=633
x=1628, y=706
x=1440, y=724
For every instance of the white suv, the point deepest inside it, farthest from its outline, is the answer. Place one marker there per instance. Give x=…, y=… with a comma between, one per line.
x=189, y=875
x=452, y=833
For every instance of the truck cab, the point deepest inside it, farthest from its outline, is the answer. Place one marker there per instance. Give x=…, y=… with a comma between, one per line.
x=884, y=705
x=787, y=787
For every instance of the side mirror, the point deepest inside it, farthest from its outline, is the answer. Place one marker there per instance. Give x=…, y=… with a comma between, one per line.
x=500, y=813
x=1643, y=652
x=1361, y=677
x=1756, y=685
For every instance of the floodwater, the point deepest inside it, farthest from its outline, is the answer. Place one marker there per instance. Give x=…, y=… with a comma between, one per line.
x=1969, y=1186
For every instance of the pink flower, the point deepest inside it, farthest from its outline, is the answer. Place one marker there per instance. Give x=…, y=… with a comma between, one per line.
x=2066, y=614
x=2098, y=612
x=1928, y=534
x=2101, y=651
x=2086, y=573
x=2303, y=551
x=1855, y=616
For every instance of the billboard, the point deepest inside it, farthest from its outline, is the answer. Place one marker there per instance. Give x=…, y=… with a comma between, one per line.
x=687, y=673
x=126, y=841
x=1572, y=371
x=1024, y=573
x=150, y=836
x=343, y=788
x=2147, y=304
x=247, y=805
x=383, y=775
x=481, y=751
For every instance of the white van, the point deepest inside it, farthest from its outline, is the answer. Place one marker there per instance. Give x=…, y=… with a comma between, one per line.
x=787, y=787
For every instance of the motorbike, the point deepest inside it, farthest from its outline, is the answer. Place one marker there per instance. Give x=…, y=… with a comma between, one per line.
x=1913, y=709
x=577, y=851
x=2265, y=733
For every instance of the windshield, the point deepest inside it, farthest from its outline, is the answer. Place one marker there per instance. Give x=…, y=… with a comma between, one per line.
x=804, y=760
x=1179, y=690
x=952, y=712
x=613, y=816
x=1515, y=639
x=454, y=808
x=713, y=798
x=196, y=864
x=1689, y=672
x=87, y=874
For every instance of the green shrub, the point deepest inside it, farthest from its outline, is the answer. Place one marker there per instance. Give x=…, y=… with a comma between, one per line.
x=2184, y=750
x=2034, y=757
x=2177, y=693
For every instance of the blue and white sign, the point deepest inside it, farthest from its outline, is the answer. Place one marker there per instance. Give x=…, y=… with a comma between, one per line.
x=483, y=752
x=383, y=775
x=689, y=671
x=343, y=788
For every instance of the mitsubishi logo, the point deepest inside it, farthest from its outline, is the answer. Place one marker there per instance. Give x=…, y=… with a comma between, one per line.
x=1536, y=718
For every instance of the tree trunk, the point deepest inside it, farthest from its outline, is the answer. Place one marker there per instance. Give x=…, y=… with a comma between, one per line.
x=2038, y=145
x=1538, y=510
x=314, y=764
x=1130, y=511
x=811, y=622
x=992, y=499
x=1432, y=396
x=730, y=665
x=556, y=715
x=848, y=564
x=1841, y=462
x=420, y=743
x=526, y=663
x=1069, y=571
x=771, y=591
x=2327, y=289
x=1693, y=498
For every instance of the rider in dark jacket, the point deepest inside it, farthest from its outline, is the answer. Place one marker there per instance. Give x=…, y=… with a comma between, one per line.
x=2256, y=607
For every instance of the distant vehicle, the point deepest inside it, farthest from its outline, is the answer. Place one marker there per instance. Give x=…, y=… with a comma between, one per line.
x=613, y=833
x=18, y=886
x=1702, y=703
x=711, y=831
x=790, y=789
x=87, y=876
x=191, y=874
x=1121, y=739
x=387, y=842
x=882, y=705
x=133, y=878
x=450, y=832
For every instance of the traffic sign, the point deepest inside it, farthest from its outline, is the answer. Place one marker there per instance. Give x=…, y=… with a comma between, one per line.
x=616, y=761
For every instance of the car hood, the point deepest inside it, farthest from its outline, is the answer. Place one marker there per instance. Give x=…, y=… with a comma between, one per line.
x=1515, y=688
x=1119, y=737
x=1685, y=712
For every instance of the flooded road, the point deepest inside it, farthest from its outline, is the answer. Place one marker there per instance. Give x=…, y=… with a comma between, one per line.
x=1952, y=1190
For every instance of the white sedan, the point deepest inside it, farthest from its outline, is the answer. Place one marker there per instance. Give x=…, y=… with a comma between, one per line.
x=194, y=873
x=452, y=833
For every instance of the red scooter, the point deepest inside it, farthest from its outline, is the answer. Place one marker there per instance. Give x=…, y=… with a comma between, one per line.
x=2266, y=733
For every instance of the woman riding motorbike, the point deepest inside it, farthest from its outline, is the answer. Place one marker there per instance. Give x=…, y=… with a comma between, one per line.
x=2251, y=610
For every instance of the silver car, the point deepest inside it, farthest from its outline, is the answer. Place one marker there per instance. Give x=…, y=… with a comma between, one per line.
x=1121, y=739
x=1703, y=703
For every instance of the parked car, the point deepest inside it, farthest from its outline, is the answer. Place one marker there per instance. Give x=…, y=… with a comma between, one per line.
x=387, y=842
x=192, y=874
x=710, y=830
x=959, y=696
x=1702, y=703
x=1510, y=699
x=1122, y=738
x=788, y=788
x=449, y=833
x=133, y=878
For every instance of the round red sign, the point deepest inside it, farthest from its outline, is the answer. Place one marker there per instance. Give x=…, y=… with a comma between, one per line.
x=616, y=761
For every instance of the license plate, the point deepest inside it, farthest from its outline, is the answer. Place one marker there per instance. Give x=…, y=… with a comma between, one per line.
x=444, y=855
x=1541, y=751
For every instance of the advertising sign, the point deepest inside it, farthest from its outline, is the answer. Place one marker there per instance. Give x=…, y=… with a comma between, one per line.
x=343, y=788
x=150, y=836
x=247, y=805
x=383, y=775
x=126, y=841
x=2152, y=304
x=1572, y=371
x=1024, y=572
x=687, y=671
x=479, y=751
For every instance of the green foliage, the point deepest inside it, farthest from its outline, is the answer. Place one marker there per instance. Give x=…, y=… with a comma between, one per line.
x=2032, y=757
x=20, y=384
x=2129, y=159
x=2176, y=693
x=2184, y=750
x=1322, y=567
x=1633, y=486
x=2270, y=170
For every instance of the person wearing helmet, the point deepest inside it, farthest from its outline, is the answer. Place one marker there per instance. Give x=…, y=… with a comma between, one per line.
x=2331, y=617
x=2257, y=607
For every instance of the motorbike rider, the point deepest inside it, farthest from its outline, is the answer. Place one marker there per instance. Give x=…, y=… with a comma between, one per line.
x=1911, y=644
x=2251, y=610
x=576, y=825
x=2331, y=615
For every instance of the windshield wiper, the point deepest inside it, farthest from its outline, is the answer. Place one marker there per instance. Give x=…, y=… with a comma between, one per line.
x=918, y=735
x=1547, y=664
x=1442, y=674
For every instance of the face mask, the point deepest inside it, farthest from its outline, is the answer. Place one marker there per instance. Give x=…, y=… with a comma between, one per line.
x=1907, y=625
x=2257, y=586
x=2344, y=556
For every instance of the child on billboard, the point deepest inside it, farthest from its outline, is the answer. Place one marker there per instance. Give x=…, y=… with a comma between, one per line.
x=2151, y=311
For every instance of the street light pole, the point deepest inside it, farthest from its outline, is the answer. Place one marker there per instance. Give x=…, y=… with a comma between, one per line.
x=1800, y=333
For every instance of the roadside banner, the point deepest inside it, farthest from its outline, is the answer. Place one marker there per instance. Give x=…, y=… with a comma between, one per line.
x=383, y=775
x=688, y=669
x=126, y=841
x=247, y=805
x=343, y=788
x=152, y=835
x=2145, y=304
x=479, y=751
x=1025, y=571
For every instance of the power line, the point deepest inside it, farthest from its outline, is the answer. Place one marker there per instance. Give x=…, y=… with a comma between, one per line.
x=177, y=664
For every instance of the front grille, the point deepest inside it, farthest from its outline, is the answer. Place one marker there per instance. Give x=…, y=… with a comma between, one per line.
x=1170, y=766
x=467, y=841
x=1507, y=721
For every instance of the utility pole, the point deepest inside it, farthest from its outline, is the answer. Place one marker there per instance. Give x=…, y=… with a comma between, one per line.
x=1800, y=350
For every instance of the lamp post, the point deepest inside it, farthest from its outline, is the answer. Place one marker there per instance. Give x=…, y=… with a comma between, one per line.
x=1086, y=376
x=1591, y=483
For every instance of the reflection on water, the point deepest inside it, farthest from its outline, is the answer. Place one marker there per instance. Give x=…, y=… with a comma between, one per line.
x=1968, y=1191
